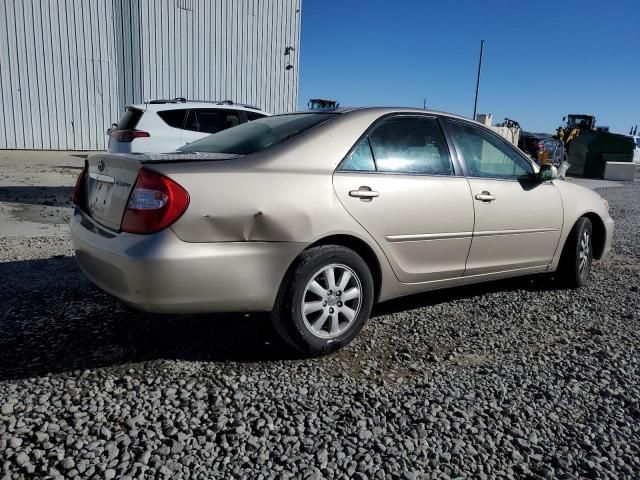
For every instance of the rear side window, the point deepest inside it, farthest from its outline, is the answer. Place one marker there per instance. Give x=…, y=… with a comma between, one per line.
x=130, y=119
x=212, y=120
x=173, y=118
x=411, y=144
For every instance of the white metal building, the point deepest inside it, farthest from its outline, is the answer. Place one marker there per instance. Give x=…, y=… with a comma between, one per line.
x=68, y=67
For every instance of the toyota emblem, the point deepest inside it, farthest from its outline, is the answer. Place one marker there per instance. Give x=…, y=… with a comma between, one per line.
x=101, y=166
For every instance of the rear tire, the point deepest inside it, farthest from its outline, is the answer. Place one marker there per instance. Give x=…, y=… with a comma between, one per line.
x=324, y=301
x=577, y=255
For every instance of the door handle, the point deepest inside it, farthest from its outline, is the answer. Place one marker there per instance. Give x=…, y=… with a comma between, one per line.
x=364, y=193
x=485, y=197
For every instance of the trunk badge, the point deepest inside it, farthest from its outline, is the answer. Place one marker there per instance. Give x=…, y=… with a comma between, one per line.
x=101, y=166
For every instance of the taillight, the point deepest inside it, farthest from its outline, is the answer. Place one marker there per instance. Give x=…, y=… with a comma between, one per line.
x=128, y=135
x=155, y=203
x=540, y=146
x=78, y=190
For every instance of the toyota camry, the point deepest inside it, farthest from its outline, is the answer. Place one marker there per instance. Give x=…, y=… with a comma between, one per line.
x=316, y=216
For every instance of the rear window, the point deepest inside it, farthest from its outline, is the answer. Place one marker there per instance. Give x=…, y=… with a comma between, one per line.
x=130, y=119
x=254, y=136
x=173, y=118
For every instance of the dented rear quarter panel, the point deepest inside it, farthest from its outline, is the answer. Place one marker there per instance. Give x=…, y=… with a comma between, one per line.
x=283, y=194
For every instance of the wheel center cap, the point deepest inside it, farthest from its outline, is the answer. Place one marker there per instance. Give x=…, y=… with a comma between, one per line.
x=332, y=300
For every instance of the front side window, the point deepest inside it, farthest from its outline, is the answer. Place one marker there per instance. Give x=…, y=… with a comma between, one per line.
x=486, y=155
x=361, y=159
x=257, y=135
x=412, y=145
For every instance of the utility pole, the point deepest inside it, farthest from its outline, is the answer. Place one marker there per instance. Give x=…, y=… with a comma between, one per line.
x=424, y=104
x=475, y=102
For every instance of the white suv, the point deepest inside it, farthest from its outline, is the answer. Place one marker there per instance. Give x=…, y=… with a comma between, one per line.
x=164, y=125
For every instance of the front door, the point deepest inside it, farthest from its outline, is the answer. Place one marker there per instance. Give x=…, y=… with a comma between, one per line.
x=518, y=220
x=399, y=183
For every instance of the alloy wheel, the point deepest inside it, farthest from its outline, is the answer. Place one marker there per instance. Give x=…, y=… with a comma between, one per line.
x=584, y=253
x=331, y=301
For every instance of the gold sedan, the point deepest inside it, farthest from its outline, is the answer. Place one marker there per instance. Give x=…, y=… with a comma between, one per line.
x=314, y=217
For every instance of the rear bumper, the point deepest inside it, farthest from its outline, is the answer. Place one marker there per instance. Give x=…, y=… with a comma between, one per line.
x=161, y=273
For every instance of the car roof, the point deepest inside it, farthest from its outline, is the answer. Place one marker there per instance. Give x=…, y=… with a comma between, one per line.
x=385, y=111
x=161, y=105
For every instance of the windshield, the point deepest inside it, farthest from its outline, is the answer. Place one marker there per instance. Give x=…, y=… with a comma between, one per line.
x=257, y=135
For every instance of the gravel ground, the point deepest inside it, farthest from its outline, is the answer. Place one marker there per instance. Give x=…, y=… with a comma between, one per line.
x=512, y=379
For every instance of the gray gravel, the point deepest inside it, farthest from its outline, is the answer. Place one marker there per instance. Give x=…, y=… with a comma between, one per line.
x=512, y=379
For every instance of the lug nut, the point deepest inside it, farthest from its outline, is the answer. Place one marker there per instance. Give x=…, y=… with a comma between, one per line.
x=329, y=292
x=339, y=304
x=324, y=304
x=331, y=310
x=338, y=293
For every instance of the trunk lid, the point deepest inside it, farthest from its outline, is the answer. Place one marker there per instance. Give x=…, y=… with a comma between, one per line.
x=109, y=183
x=111, y=178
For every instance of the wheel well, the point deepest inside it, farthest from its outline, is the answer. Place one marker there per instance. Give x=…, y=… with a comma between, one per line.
x=362, y=249
x=599, y=234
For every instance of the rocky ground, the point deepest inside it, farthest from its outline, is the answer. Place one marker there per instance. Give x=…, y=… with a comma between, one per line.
x=514, y=379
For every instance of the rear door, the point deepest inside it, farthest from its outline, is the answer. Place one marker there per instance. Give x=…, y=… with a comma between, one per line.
x=518, y=220
x=400, y=184
x=166, y=134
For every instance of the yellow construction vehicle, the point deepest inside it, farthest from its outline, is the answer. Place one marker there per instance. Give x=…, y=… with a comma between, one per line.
x=322, y=104
x=575, y=124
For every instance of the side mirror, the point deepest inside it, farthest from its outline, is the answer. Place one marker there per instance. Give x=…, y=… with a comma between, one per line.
x=547, y=172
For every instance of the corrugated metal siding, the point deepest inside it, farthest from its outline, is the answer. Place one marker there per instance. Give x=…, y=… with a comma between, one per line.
x=57, y=73
x=67, y=67
x=220, y=50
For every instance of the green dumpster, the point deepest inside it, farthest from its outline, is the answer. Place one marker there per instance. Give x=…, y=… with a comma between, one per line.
x=590, y=152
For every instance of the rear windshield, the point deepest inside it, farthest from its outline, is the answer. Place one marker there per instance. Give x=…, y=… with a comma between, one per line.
x=254, y=136
x=130, y=119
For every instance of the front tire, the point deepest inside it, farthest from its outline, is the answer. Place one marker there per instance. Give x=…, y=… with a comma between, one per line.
x=324, y=301
x=577, y=256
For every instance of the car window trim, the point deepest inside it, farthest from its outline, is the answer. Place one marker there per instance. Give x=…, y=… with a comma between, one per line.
x=456, y=170
x=509, y=145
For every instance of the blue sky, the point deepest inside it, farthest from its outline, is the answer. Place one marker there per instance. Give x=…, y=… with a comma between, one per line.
x=542, y=60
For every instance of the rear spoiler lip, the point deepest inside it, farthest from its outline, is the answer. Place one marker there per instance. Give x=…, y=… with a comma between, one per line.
x=188, y=157
x=171, y=157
